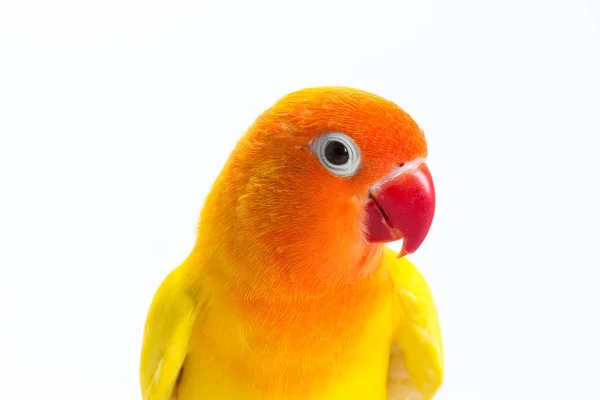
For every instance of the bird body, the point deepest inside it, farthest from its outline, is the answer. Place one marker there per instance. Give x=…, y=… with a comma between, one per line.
x=290, y=292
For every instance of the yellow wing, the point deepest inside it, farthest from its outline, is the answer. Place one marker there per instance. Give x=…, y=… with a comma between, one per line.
x=169, y=325
x=417, y=358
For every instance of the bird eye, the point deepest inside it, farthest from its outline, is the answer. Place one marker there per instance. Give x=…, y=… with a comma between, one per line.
x=338, y=153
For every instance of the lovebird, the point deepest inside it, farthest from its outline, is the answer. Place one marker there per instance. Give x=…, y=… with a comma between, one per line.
x=291, y=291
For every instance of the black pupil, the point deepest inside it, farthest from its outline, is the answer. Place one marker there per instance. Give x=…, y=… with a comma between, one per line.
x=336, y=153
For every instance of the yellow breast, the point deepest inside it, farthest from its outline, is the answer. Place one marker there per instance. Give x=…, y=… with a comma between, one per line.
x=334, y=347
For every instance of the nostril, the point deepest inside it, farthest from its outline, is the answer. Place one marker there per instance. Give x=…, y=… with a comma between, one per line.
x=401, y=164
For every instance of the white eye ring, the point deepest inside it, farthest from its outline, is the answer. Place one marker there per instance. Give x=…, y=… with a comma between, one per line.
x=321, y=146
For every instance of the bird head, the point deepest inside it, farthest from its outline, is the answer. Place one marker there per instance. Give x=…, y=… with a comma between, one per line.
x=320, y=180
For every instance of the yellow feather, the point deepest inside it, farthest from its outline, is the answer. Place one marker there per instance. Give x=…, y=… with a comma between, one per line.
x=169, y=325
x=418, y=332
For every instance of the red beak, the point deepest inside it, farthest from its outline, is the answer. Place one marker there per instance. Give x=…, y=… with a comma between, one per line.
x=402, y=205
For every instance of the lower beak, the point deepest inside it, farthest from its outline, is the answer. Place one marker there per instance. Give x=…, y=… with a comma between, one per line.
x=401, y=206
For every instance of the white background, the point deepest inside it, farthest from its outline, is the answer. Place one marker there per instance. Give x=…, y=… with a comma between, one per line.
x=116, y=116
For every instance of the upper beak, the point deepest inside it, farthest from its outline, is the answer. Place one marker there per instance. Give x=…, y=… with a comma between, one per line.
x=401, y=205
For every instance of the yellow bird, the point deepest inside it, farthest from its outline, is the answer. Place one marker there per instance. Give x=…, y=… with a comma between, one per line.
x=290, y=292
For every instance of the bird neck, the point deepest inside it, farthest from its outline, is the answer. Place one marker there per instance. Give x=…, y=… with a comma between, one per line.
x=241, y=273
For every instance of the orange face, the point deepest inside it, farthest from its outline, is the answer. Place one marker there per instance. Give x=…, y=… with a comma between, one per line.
x=323, y=177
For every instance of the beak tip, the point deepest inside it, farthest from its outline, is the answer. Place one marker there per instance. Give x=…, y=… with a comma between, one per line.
x=404, y=251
